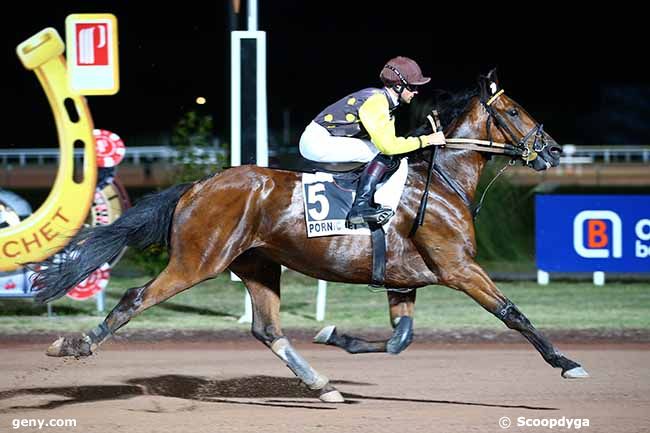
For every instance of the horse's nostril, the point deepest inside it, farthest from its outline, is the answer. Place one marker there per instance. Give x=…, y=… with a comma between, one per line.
x=555, y=151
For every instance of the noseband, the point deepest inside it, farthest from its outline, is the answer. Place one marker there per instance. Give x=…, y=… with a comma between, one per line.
x=527, y=152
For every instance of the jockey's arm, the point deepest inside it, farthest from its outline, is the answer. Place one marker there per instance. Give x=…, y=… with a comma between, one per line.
x=375, y=117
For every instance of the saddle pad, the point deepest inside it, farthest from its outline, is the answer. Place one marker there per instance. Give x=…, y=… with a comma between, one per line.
x=327, y=202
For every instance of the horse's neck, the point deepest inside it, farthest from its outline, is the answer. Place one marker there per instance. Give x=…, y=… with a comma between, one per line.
x=464, y=166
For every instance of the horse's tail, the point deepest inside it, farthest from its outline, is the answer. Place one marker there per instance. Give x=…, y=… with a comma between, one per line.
x=145, y=224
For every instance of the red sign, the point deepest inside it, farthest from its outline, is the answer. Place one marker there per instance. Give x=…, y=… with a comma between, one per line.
x=92, y=43
x=92, y=285
x=110, y=148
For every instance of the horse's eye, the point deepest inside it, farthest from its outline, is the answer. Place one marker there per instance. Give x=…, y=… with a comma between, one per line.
x=513, y=112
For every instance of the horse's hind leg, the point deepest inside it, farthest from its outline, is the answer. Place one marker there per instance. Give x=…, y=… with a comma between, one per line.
x=262, y=279
x=401, y=308
x=473, y=280
x=194, y=257
x=167, y=284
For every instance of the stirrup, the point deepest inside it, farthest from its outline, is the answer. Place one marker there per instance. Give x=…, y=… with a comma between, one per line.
x=384, y=216
x=361, y=221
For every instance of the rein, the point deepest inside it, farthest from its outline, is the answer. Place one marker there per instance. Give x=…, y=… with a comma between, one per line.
x=483, y=146
x=521, y=149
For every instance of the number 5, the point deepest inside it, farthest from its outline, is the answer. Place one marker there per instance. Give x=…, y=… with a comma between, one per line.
x=313, y=198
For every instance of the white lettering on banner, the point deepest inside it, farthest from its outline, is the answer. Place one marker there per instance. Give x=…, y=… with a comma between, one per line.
x=642, y=231
x=599, y=242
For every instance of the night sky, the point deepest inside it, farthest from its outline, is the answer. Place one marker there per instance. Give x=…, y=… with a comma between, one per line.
x=583, y=78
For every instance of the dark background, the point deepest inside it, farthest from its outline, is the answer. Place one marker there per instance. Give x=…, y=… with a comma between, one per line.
x=582, y=74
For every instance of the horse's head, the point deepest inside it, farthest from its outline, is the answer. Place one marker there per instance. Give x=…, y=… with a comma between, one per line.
x=509, y=122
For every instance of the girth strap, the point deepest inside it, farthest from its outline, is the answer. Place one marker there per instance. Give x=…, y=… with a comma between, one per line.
x=378, y=241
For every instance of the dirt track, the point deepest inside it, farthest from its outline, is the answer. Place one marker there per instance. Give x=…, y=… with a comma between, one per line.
x=241, y=387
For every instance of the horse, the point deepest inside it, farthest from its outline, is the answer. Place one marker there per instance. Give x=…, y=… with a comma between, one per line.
x=251, y=220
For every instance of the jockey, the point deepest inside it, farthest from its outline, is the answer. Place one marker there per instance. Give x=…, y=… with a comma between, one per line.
x=360, y=128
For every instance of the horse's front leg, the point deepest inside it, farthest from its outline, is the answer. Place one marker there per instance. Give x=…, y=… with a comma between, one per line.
x=401, y=307
x=473, y=280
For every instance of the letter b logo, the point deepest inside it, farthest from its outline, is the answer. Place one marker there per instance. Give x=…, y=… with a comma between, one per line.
x=598, y=240
x=597, y=234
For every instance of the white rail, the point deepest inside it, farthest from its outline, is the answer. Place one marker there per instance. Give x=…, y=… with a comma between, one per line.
x=572, y=154
x=134, y=155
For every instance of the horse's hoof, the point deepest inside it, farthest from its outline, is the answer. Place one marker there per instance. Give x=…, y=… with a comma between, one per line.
x=324, y=335
x=77, y=347
x=332, y=397
x=55, y=348
x=575, y=373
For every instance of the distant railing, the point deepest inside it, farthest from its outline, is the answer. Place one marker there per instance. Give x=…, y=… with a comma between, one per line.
x=134, y=155
x=572, y=154
x=137, y=155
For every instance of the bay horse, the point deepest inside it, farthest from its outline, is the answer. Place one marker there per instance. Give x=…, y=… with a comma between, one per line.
x=251, y=220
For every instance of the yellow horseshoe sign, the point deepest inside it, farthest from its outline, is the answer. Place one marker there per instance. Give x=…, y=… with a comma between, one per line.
x=48, y=229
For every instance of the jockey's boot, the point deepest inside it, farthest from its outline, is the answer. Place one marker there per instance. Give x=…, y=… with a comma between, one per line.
x=364, y=209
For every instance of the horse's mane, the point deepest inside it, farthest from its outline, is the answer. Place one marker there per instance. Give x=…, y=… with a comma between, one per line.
x=448, y=105
x=451, y=105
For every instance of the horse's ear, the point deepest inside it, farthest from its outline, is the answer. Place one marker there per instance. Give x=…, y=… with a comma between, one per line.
x=492, y=76
x=489, y=84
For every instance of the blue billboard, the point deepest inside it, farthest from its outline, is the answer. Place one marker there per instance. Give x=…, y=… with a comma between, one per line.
x=587, y=233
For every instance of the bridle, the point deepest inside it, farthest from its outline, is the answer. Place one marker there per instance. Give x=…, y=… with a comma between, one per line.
x=517, y=148
x=525, y=150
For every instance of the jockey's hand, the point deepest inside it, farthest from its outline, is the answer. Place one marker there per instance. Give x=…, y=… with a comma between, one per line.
x=436, y=138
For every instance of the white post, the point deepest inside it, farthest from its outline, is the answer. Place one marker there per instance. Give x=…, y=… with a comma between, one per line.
x=247, y=317
x=235, y=100
x=239, y=70
x=252, y=14
x=262, y=142
x=321, y=300
x=248, y=310
x=542, y=278
x=599, y=278
x=100, y=301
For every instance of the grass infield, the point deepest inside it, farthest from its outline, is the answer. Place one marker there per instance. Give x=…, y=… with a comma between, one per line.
x=217, y=304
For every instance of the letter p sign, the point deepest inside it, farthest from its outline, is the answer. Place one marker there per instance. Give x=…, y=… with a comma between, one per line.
x=599, y=237
x=92, y=54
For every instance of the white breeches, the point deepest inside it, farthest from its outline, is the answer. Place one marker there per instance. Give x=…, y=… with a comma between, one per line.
x=316, y=144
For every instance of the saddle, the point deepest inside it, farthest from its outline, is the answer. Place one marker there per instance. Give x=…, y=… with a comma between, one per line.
x=335, y=168
x=328, y=194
